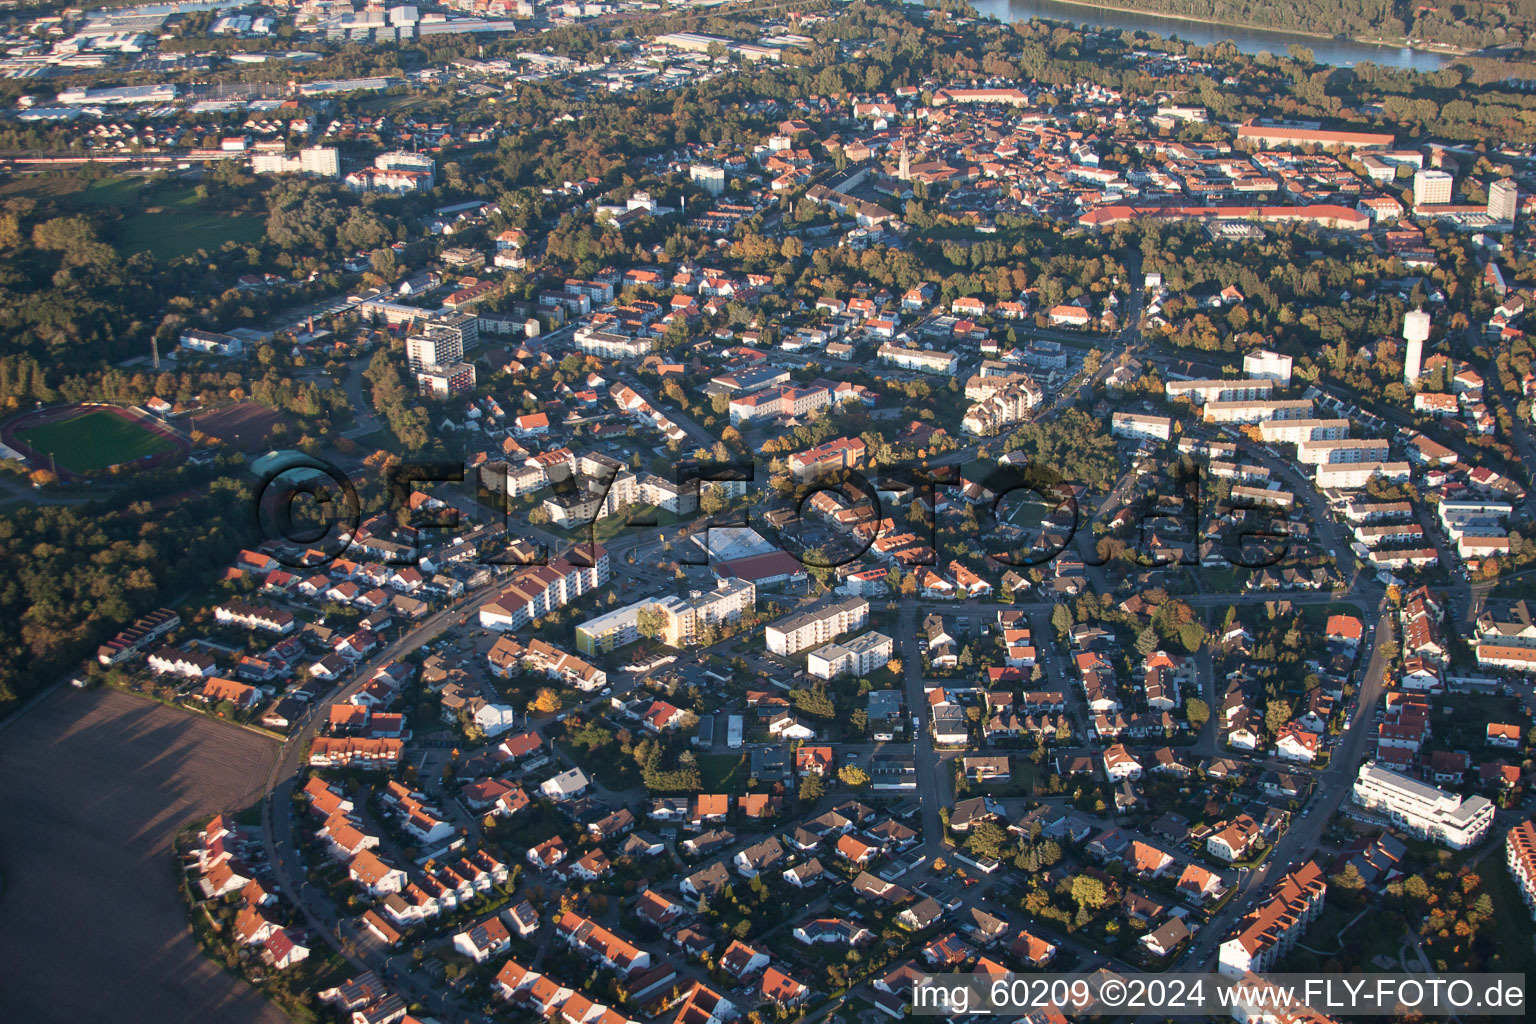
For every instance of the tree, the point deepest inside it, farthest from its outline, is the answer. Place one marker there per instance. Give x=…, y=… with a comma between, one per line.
x=859, y=720
x=1276, y=714
x=853, y=776
x=1197, y=711
x=1146, y=642
x=1089, y=895
x=546, y=700
x=712, y=500
x=812, y=788
x=1061, y=619
x=651, y=622
x=815, y=703
x=987, y=839
x=1349, y=879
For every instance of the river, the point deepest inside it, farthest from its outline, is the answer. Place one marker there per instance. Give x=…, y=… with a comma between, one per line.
x=1341, y=52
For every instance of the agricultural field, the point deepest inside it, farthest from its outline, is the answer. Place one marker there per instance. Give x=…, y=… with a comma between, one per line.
x=93, y=441
x=93, y=786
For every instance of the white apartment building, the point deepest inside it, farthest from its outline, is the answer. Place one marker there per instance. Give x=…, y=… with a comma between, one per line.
x=1136, y=425
x=1258, y=412
x=1297, y=431
x=442, y=381
x=1423, y=810
x=859, y=656
x=1269, y=930
x=1389, y=533
x=1202, y=391
x=434, y=348
x=610, y=345
x=680, y=619
x=1474, y=518
x=922, y=360
x=1432, y=188
x=1503, y=201
x=804, y=630
x=321, y=161
x=710, y=178
x=1317, y=453
x=1267, y=365
x=536, y=590
x=1354, y=475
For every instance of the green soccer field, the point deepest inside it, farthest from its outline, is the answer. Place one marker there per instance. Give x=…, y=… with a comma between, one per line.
x=93, y=441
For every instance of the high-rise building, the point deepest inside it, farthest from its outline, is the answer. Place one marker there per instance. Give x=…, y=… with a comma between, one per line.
x=317, y=160
x=1415, y=333
x=1503, y=201
x=1267, y=365
x=449, y=379
x=321, y=160
x=1432, y=188
x=434, y=348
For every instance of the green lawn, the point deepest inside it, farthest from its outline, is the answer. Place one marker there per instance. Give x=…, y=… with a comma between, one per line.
x=174, y=224
x=168, y=224
x=1511, y=920
x=93, y=441
x=74, y=190
x=723, y=773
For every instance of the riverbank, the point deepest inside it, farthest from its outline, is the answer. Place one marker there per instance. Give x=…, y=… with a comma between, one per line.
x=1401, y=43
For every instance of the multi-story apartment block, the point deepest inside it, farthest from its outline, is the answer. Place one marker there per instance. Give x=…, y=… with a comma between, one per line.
x=610, y=344
x=539, y=589
x=859, y=657
x=1354, y=475
x=1267, y=365
x=1200, y=392
x=1520, y=855
x=920, y=359
x=1136, y=425
x=1432, y=188
x=678, y=620
x=1503, y=201
x=1004, y=406
x=1297, y=431
x=1316, y=453
x=1251, y=411
x=316, y=160
x=1269, y=930
x=839, y=453
x=804, y=630
x=1423, y=810
x=442, y=381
